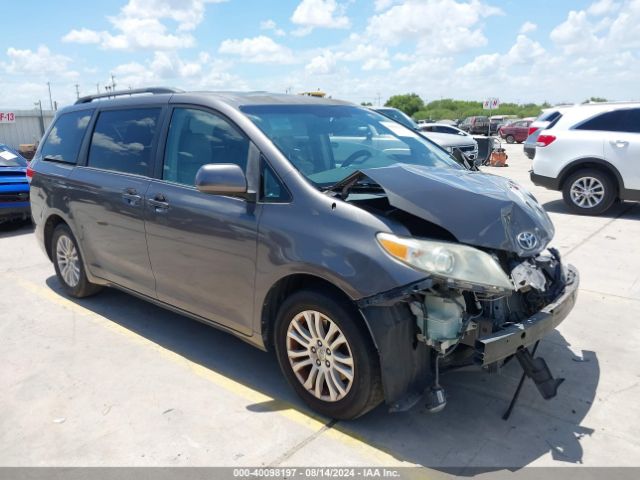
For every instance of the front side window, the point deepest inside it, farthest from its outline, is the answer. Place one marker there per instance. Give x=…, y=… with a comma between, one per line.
x=197, y=138
x=627, y=120
x=64, y=139
x=122, y=140
x=327, y=143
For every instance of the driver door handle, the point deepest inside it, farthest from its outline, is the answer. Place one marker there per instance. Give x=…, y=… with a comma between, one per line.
x=130, y=197
x=620, y=143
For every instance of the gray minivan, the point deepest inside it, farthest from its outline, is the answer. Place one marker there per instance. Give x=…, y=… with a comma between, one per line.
x=363, y=254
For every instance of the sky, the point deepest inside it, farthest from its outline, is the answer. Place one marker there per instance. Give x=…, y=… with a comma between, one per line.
x=363, y=51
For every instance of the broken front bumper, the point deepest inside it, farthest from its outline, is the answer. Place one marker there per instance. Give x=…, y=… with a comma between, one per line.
x=506, y=342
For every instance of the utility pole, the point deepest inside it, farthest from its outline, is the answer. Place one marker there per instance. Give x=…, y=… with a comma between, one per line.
x=50, y=100
x=378, y=97
x=113, y=82
x=39, y=104
x=77, y=91
x=98, y=88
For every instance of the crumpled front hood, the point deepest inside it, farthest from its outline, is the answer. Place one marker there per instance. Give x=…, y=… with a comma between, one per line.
x=478, y=209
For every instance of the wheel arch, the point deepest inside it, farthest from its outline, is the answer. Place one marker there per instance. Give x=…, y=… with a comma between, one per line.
x=290, y=284
x=593, y=163
x=50, y=225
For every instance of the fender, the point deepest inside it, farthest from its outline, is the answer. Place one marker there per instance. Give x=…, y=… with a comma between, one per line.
x=564, y=173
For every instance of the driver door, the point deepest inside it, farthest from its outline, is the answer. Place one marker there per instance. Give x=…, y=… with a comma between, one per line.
x=202, y=247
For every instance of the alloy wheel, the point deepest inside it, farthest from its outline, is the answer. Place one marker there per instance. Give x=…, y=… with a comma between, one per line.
x=587, y=192
x=320, y=356
x=68, y=261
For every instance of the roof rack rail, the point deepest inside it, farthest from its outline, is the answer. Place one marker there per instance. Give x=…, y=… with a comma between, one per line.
x=121, y=93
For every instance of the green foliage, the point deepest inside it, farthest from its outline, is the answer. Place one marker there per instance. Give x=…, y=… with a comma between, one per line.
x=366, y=104
x=451, y=109
x=595, y=99
x=409, y=103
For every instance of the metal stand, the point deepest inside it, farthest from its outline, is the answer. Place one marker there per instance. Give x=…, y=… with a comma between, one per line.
x=516, y=394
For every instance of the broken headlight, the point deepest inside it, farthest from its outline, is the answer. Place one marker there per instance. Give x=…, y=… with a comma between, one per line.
x=461, y=264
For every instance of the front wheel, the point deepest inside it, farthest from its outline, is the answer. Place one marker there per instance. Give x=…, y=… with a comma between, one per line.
x=327, y=355
x=589, y=192
x=510, y=139
x=68, y=263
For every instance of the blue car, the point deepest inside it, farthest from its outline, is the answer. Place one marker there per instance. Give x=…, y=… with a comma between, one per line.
x=14, y=187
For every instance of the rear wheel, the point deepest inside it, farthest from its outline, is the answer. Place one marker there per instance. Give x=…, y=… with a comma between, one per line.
x=68, y=263
x=510, y=139
x=589, y=192
x=327, y=355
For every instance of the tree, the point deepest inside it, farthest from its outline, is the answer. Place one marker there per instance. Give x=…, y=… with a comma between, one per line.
x=409, y=103
x=366, y=104
x=595, y=100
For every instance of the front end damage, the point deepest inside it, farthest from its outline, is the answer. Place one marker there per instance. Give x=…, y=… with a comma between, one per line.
x=435, y=325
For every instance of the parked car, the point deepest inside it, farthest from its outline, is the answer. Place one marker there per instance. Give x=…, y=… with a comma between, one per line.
x=591, y=154
x=448, y=141
x=475, y=125
x=515, y=131
x=494, y=125
x=14, y=188
x=537, y=126
x=365, y=256
x=441, y=128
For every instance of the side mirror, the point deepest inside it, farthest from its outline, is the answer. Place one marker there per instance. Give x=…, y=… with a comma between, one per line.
x=221, y=179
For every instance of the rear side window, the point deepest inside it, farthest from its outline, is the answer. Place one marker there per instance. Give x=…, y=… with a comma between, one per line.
x=122, y=140
x=64, y=139
x=617, y=121
x=548, y=116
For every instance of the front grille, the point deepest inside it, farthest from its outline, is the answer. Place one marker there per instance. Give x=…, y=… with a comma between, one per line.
x=468, y=148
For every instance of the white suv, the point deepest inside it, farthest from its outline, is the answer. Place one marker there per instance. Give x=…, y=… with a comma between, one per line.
x=591, y=153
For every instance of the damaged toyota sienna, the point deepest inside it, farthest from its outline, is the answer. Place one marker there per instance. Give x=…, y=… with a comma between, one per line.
x=367, y=257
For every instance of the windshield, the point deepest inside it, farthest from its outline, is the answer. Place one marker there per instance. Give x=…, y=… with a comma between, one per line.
x=327, y=143
x=398, y=116
x=10, y=159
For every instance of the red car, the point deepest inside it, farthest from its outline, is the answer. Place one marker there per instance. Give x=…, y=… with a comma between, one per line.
x=515, y=131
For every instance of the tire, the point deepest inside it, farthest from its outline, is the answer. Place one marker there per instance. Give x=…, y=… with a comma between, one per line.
x=602, y=188
x=360, y=394
x=64, y=248
x=510, y=139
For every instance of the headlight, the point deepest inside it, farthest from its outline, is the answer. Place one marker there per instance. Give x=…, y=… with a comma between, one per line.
x=451, y=261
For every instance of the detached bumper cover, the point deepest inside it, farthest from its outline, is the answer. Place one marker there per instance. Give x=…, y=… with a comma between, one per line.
x=507, y=341
x=14, y=210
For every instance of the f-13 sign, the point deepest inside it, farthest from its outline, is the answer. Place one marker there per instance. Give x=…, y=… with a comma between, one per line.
x=7, y=117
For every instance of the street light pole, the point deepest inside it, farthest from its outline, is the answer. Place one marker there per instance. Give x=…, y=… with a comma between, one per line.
x=39, y=104
x=50, y=99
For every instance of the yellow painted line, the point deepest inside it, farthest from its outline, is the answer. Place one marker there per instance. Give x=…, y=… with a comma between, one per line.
x=315, y=423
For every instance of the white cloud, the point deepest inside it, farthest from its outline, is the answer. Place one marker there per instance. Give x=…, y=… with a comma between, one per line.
x=260, y=49
x=39, y=62
x=602, y=7
x=201, y=72
x=324, y=64
x=580, y=33
x=455, y=25
x=381, y=5
x=139, y=25
x=528, y=27
x=272, y=25
x=524, y=50
x=310, y=14
x=83, y=36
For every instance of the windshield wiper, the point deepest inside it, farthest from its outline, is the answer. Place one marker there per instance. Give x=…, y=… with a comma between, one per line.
x=354, y=181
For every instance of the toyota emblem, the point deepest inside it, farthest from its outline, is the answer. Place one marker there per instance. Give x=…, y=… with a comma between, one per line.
x=527, y=240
